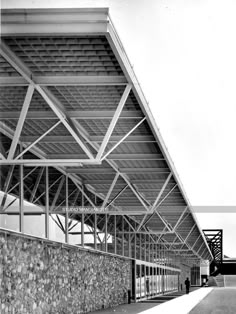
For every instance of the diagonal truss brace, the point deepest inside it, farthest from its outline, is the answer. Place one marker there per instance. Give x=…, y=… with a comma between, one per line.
x=21, y=68
x=155, y=209
x=110, y=190
x=114, y=121
x=122, y=139
x=36, y=141
x=21, y=121
x=156, y=200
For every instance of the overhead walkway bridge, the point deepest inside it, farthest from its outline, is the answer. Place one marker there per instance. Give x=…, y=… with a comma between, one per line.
x=83, y=162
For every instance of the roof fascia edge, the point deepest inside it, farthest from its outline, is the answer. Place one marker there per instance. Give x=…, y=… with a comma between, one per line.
x=125, y=63
x=53, y=21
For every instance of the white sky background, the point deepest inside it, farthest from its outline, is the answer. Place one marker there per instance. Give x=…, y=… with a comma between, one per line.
x=183, y=53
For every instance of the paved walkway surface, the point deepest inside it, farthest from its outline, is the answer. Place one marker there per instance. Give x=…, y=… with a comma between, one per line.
x=230, y=281
x=219, y=301
x=181, y=305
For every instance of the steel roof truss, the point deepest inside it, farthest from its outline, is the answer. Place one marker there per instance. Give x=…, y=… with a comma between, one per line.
x=114, y=166
x=180, y=218
x=123, y=139
x=196, y=241
x=157, y=199
x=155, y=209
x=65, y=200
x=25, y=72
x=37, y=140
x=36, y=185
x=65, y=120
x=114, y=121
x=110, y=190
x=48, y=189
x=83, y=193
x=6, y=186
x=57, y=193
x=185, y=240
x=27, y=175
x=117, y=195
x=3, y=154
x=21, y=121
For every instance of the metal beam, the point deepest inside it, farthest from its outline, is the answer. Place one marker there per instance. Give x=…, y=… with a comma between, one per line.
x=161, y=192
x=115, y=242
x=121, y=170
x=157, y=199
x=6, y=186
x=67, y=214
x=73, y=128
x=180, y=218
x=82, y=229
x=65, y=119
x=123, y=139
x=95, y=231
x=46, y=202
x=120, y=156
x=38, y=139
x=21, y=121
x=83, y=193
x=21, y=195
x=193, y=227
x=3, y=154
x=71, y=80
x=48, y=188
x=50, y=162
x=156, y=207
x=57, y=193
x=94, y=138
x=20, y=67
x=110, y=190
x=37, y=184
x=73, y=114
x=196, y=241
x=113, y=121
x=116, y=196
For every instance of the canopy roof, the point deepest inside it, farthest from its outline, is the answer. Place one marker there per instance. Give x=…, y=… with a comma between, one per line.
x=70, y=98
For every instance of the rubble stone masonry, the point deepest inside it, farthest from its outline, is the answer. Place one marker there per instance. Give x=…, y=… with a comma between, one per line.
x=40, y=277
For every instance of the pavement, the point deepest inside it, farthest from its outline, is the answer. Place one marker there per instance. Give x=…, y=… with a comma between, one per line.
x=230, y=281
x=219, y=301
x=180, y=305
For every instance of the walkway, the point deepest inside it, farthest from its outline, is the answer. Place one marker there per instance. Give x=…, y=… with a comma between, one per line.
x=230, y=281
x=219, y=301
x=181, y=305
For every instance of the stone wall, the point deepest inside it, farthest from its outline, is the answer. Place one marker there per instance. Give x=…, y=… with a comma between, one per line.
x=38, y=276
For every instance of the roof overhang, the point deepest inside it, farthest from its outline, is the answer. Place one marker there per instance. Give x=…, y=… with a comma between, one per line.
x=167, y=205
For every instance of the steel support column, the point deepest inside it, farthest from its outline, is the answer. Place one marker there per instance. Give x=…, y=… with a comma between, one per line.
x=82, y=229
x=105, y=232
x=95, y=231
x=46, y=202
x=66, y=215
x=122, y=242
x=135, y=243
x=21, y=217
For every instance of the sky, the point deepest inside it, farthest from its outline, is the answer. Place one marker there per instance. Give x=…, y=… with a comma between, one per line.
x=183, y=53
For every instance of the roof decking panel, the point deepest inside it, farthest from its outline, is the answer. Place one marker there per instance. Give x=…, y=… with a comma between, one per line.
x=66, y=55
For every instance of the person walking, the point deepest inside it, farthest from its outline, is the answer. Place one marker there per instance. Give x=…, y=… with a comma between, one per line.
x=187, y=285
